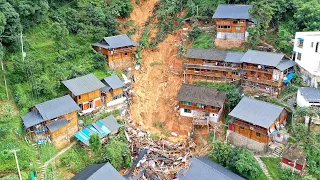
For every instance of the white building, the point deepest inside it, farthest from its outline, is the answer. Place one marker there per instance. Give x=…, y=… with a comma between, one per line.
x=306, y=53
x=307, y=97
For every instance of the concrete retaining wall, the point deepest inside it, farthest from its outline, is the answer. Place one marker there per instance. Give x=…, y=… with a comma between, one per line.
x=242, y=141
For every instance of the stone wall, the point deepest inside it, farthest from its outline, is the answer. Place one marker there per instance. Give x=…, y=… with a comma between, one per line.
x=242, y=141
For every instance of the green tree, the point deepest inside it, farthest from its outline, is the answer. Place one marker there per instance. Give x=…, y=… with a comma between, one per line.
x=310, y=112
x=307, y=15
x=2, y=22
x=194, y=33
x=254, y=36
x=95, y=143
x=263, y=11
x=60, y=36
x=220, y=153
x=247, y=165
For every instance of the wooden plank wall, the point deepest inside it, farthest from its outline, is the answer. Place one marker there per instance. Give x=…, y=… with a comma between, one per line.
x=87, y=96
x=230, y=22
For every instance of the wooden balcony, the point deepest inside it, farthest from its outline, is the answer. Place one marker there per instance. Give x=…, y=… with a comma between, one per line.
x=256, y=69
x=212, y=74
x=264, y=81
x=209, y=66
x=194, y=107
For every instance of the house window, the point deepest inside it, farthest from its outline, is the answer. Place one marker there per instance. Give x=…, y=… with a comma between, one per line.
x=79, y=97
x=196, y=70
x=235, y=73
x=194, y=60
x=299, y=56
x=117, y=97
x=187, y=111
x=300, y=43
x=258, y=134
x=317, y=46
x=213, y=107
x=184, y=102
x=224, y=27
x=311, y=44
x=198, y=105
x=238, y=28
x=189, y=103
x=241, y=127
x=126, y=54
x=236, y=21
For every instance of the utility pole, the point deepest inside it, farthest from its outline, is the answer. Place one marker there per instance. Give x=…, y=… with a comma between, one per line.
x=23, y=53
x=4, y=78
x=15, y=155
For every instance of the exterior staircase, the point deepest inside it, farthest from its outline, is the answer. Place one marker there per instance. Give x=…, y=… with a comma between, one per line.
x=277, y=151
x=263, y=167
x=41, y=175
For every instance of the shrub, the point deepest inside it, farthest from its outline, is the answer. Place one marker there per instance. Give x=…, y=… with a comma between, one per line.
x=194, y=33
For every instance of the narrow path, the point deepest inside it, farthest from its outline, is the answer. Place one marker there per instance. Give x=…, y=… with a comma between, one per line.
x=58, y=154
x=263, y=167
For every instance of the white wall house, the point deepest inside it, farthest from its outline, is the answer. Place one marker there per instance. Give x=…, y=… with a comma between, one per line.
x=307, y=97
x=306, y=53
x=212, y=117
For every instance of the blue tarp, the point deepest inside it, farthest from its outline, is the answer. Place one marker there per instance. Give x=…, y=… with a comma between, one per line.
x=96, y=128
x=300, y=39
x=288, y=78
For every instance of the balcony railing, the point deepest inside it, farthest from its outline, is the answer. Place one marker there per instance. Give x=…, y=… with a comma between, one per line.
x=250, y=68
x=264, y=81
x=210, y=66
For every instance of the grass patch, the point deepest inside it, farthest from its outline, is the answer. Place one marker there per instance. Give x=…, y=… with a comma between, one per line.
x=155, y=136
x=47, y=151
x=162, y=126
x=154, y=63
x=204, y=40
x=272, y=166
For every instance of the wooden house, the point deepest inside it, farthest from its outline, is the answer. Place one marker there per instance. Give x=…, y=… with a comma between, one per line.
x=212, y=65
x=258, y=120
x=266, y=72
x=98, y=172
x=232, y=21
x=112, y=94
x=117, y=49
x=294, y=158
x=86, y=92
x=55, y=120
x=204, y=104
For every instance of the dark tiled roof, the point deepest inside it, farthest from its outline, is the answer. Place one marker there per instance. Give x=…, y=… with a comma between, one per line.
x=207, y=54
x=98, y=172
x=293, y=152
x=55, y=125
x=285, y=64
x=112, y=82
x=111, y=123
x=83, y=84
x=115, y=42
x=32, y=118
x=256, y=112
x=310, y=94
x=234, y=57
x=232, y=11
x=57, y=107
x=202, y=95
x=263, y=58
x=205, y=169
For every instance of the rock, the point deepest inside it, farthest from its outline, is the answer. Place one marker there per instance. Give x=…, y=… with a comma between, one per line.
x=174, y=134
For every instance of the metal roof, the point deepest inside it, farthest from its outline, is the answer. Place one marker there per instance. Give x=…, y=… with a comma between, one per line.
x=111, y=123
x=234, y=57
x=83, y=84
x=55, y=125
x=115, y=42
x=285, y=64
x=57, y=107
x=256, y=112
x=232, y=11
x=113, y=82
x=205, y=169
x=207, y=54
x=263, y=58
x=202, y=95
x=310, y=94
x=99, y=172
x=32, y=118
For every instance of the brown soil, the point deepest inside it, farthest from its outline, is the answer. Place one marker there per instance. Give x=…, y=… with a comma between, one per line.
x=227, y=44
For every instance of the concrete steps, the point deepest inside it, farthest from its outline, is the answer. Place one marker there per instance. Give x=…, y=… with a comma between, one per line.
x=263, y=167
x=277, y=151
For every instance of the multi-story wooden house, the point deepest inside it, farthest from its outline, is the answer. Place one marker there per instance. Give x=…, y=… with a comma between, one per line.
x=232, y=21
x=55, y=120
x=204, y=104
x=117, y=49
x=112, y=93
x=86, y=92
x=259, y=121
x=266, y=72
x=212, y=65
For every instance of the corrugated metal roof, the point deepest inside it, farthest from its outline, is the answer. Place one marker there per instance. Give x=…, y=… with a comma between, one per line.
x=310, y=94
x=115, y=42
x=207, y=54
x=285, y=64
x=202, y=95
x=99, y=172
x=55, y=125
x=32, y=118
x=111, y=123
x=83, y=84
x=113, y=82
x=263, y=58
x=234, y=57
x=57, y=107
x=232, y=11
x=205, y=169
x=256, y=112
